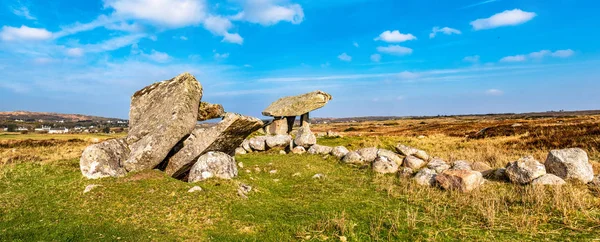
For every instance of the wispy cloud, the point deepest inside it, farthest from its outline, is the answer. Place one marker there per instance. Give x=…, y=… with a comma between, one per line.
x=479, y=3
x=23, y=11
x=345, y=57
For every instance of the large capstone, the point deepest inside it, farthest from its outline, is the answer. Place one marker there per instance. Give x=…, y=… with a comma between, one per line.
x=213, y=164
x=160, y=116
x=570, y=164
x=104, y=159
x=297, y=105
x=224, y=137
x=208, y=111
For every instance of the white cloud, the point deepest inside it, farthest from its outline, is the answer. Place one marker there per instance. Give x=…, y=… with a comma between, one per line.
x=158, y=56
x=494, y=92
x=24, y=33
x=77, y=27
x=23, y=11
x=124, y=26
x=220, y=26
x=540, y=54
x=219, y=56
x=171, y=13
x=114, y=43
x=506, y=18
x=514, y=58
x=395, y=50
x=444, y=30
x=563, y=53
x=183, y=38
x=233, y=38
x=395, y=37
x=355, y=44
x=345, y=57
x=75, y=52
x=269, y=12
x=472, y=59
x=376, y=57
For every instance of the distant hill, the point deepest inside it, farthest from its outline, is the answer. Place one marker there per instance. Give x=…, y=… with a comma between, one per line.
x=51, y=117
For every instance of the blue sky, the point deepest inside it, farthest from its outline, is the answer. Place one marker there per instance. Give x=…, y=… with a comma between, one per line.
x=377, y=57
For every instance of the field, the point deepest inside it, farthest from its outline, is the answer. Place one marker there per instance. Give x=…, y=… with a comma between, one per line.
x=41, y=190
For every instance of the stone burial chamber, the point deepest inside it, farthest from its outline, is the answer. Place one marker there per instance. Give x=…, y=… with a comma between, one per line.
x=285, y=110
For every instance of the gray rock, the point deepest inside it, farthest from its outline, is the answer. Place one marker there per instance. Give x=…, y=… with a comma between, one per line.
x=390, y=155
x=89, y=188
x=258, y=143
x=484, y=168
x=225, y=137
x=410, y=151
x=305, y=137
x=240, y=151
x=425, y=177
x=353, y=158
x=339, y=151
x=405, y=172
x=461, y=165
x=548, y=179
x=160, y=116
x=570, y=164
x=104, y=159
x=195, y=189
x=438, y=165
x=208, y=111
x=384, y=165
x=368, y=154
x=297, y=105
x=525, y=170
x=298, y=150
x=461, y=180
x=213, y=164
x=319, y=150
x=243, y=190
x=413, y=162
x=499, y=174
x=278, y=141
x=246, y=146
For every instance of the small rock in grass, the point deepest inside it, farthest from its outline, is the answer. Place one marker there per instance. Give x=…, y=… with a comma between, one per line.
x=319, y=150
x=482, y=167
x=298, y=150
x=241, y=165
x=243, y=190
x=318, y=176
x=89, y=188
x=407, y=150
x=282, y=152
x=195, y=189
x=272, y=171
x=296, y=174
x=548, y=179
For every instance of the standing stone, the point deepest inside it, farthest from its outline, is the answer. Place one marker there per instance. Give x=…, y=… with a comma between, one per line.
x=385, y=165
x=438, y=165
x=368, y=154
x=208, y=111
x=297, y=105
x=353, y=158
x=278, y=141
x=305, y=138
x=390, y=155
x=305, y=120
x=425, y=177
x=548, y=179
x=258, y=143
x=161, y=115
x=413, y=162
x=319, y=150
x=524, y=170
x=570, y=164
x=462, y=180
x=290, y=123
x=410, y=151
x=339, y=151
x=224, y=137
x=213, y=164
x=279, y=126
x=104, y=159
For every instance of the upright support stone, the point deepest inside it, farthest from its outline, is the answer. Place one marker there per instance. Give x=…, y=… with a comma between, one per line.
x=304, y=120
x=290, y=123
x=279, y=126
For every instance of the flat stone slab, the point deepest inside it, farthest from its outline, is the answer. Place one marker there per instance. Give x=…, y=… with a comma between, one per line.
x=297, y=105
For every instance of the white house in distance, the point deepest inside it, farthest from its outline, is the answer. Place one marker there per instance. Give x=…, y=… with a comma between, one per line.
x=42, y=129
x=58, y=131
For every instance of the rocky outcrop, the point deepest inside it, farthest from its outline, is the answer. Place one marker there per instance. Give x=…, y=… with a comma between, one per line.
x=213, y=164
x=305, y=137
x=570, y=164
x=160, y=116
x=208, y=111
x=104, y=159
x=297, y=105
x=525, y=170
x=461, y=180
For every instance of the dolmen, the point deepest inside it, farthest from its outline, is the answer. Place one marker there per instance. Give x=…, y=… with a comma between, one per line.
x=163, y=133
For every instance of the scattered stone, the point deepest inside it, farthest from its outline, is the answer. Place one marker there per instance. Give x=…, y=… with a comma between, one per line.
x=243, y=190
x=524, y=170
x=353, y=158
x=297, y=105
x=405, y=172
x=241, y=165
x=332, y=134
x=516, y=125
x=257, y=169
x=482, y=167
x=318, y=176
x=272, y=171
x=368, y=154
x=278, y=141
x=248, y=171
x=104, y=159
x=298, y=150
x=208, y=111
x=305, y=137
x=319, y=150
x=339, y=151
x=195, y=189
x=425, y=177
x=160, y=116
x=462, y=180
x=89, y=188
x=410, y=151
x=461, y=165
x=258, y=143
x=213, y=164
x=282, y=152
x=384, y=165
x=296, y=174
x=570, y=164
x=246, y=146
x=548, y=179
x=390, y=155
x=413, y=162
x=421, y=137
x=240, y=151
x=438, y=165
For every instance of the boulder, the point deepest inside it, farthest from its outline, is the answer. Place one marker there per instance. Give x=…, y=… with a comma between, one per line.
x=225, y=137
x=524, y=170
x=353, y=158
x=484, y=168
x=425, y=177
x=246, y=146
x=258, y=143
x=405, y=172
x=413, y=162
x=570, y=164
x=278, y=141
x=548, y=179
x=240, y=151
x=104, y=159
x=160, y=116
x=384, y=165
x=213, y=164
x=319, y=150
x=339, y=151
x=461, y=180
x=461, y=165
x=208, y=111
x=410, y=151
x=298, y=150
x=297, y=105
x=498, y=174
x=368, y=154
x=438, y=165
x=305, y=137
x=390, y=155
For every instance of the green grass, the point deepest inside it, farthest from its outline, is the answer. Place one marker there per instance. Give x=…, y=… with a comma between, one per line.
x=45, y=202
x=35, y=136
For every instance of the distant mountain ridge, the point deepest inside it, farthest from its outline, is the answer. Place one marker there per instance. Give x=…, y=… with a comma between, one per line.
x=47, y=116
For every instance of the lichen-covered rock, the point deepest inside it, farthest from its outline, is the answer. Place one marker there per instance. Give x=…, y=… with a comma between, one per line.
x=405, y=172
x=208, y=111
x=425, y=177
x=160, y=116
x=461, y=165
x=258, y=143
x=225, y=137
x=104, y=159
x=413, y=162
x=384, y=165
x=297, y=105
x=213, y=164
x=305, y=137
x=438, y=165
x=524, y=170
x=390, y=155
x=548, y=179
x=461, y=180
x=368, y=154
x=339, y=151
x=298, y=150
x=353, y=158
x=410, y=151
x=278, y=141
x=319, y=150
x=570, y=164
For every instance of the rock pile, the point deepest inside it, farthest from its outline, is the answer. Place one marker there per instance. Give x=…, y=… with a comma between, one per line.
x=163, y=135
